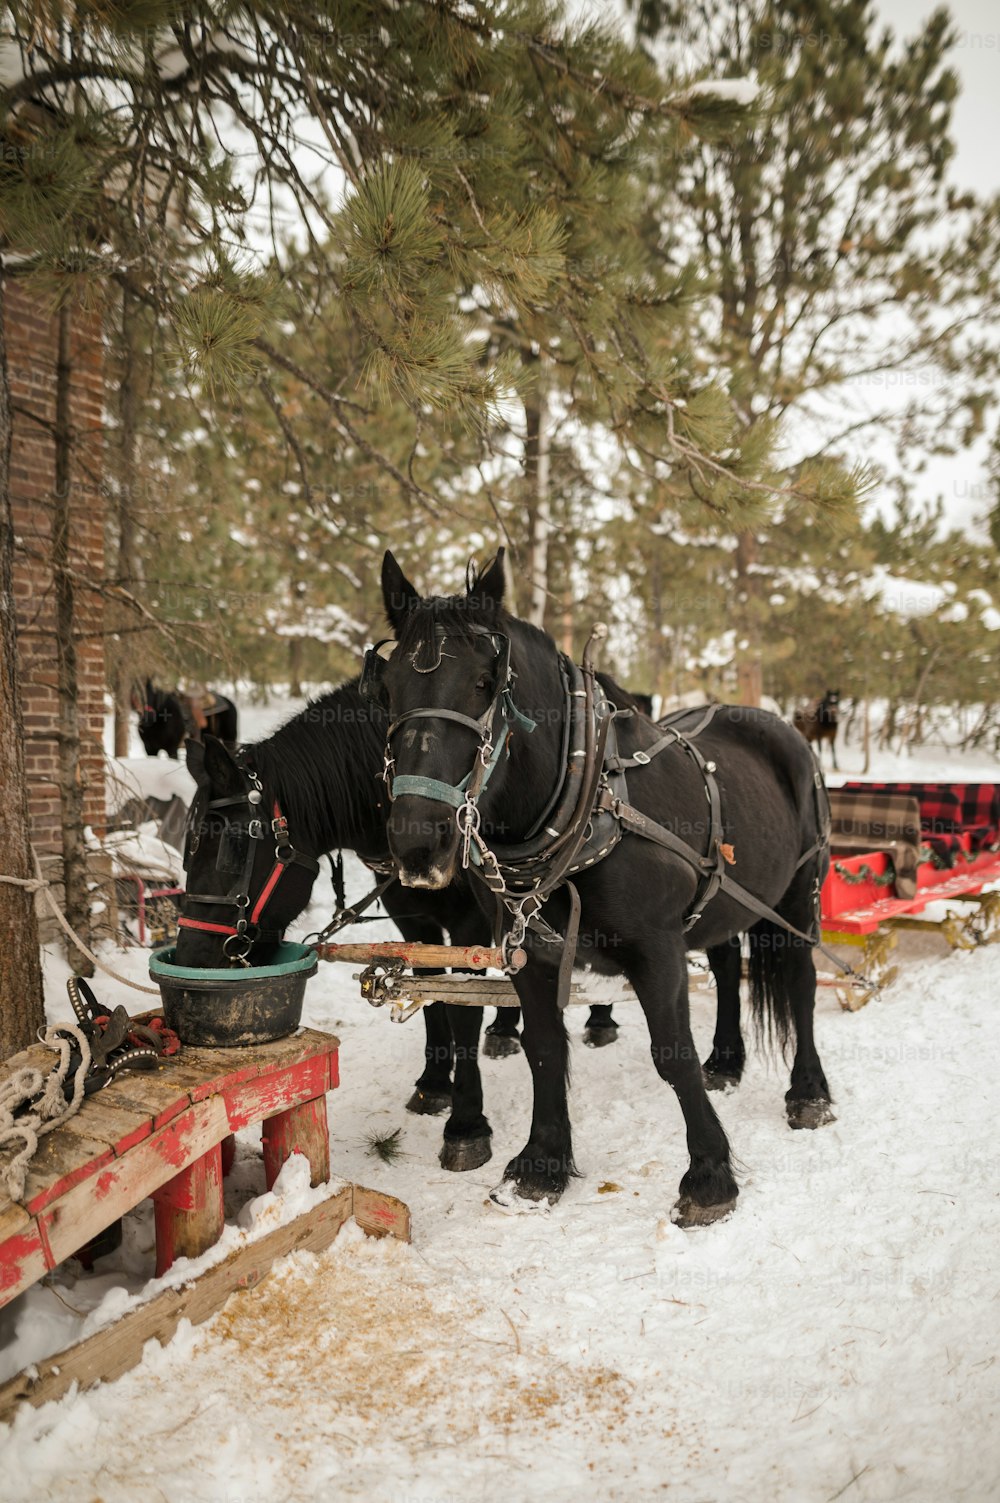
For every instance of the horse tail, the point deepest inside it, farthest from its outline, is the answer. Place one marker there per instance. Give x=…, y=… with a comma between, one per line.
x=771, y=983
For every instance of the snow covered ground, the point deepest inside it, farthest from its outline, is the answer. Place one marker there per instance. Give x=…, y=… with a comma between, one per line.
x=836, y=1338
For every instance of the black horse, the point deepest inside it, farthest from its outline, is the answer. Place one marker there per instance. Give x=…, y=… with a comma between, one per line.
x=321, y=771
x=167, y=718
x=459, y=661
x=819, y=721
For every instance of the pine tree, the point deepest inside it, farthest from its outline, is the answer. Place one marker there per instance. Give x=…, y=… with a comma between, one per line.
x=845, y=268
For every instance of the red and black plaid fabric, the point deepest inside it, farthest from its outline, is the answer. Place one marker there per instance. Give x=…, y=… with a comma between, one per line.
x=866, y=820
x=980, y=812
x=941, y=822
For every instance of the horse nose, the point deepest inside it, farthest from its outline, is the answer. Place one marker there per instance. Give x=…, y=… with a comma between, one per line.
x=423, y=842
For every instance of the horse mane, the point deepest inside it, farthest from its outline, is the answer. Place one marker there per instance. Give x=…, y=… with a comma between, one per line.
x=317, y=774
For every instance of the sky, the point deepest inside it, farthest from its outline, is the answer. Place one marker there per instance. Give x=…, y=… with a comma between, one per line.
x=976, y=121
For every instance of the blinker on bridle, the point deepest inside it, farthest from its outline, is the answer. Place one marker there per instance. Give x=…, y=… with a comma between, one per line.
x=461, y=796
x=246, y=932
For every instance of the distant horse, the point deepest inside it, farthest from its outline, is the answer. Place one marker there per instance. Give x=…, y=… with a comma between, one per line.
x=819, y=721
x=167, y=718
x=478, y=704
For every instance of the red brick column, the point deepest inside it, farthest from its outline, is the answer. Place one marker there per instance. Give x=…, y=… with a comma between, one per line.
x=31, y=354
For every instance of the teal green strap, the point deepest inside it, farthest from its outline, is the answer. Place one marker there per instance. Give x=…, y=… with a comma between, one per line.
x=455, y=794
x=511, y=712
x=444, y=793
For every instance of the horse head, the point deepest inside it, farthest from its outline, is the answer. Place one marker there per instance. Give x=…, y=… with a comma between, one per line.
x=245, y=880
x=446, y=684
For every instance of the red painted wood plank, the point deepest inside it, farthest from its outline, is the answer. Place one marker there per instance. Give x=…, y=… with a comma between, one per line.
x=23, y=1259
x=65, y=1158
x=188, y=1211
x=267, y=1095
x=301, y=1129
x=89, y=1207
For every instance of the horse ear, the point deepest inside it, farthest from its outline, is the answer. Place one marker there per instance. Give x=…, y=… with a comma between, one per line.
x=220, y=766
x=398, y=594
x=487, y=589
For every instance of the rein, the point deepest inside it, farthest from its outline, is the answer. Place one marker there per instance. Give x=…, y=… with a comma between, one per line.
x=246, y=932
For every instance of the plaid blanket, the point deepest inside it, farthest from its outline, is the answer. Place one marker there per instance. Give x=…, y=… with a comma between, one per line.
x=950, y=811
x=878, y=821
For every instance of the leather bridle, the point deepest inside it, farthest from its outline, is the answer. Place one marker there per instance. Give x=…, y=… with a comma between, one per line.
x=247, y=931
x=463, y=795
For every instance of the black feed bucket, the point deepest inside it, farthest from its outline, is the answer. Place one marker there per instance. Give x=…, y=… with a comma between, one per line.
x=218, y=1009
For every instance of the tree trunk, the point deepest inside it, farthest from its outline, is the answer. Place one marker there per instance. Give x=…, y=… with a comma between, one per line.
x=125, y=675
x=71, y=776
x=295, y=645
x=536, y=474
x=22, y=1008
x=749, y=669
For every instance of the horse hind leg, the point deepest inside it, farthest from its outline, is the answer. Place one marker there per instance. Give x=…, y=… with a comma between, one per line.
x=432, y=1091
x=502, y=1038
x=601, y=1028
x=783, y=998
x=708, y=1189
x=723, y=1069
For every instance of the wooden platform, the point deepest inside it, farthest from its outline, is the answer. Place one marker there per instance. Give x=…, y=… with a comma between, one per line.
x=161, y=1133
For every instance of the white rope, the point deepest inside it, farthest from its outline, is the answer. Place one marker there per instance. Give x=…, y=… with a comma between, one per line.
x=50, y=1107
x=38, y=883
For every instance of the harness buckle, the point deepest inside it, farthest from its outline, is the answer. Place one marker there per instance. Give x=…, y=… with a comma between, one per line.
x=240, y=938
x=640, y=757
x=468, y=819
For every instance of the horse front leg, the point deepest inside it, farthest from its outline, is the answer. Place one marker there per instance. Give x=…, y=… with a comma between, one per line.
x=708, y=1189
x=467, y=1133
x=724, y=1066
x=539, y=1174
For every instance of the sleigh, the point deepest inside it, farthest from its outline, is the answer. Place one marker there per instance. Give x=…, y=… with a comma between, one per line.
x=897, y=849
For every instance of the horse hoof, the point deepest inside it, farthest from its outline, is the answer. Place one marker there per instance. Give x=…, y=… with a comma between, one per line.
x=500, y=1045
x=460, y=1154
x=429, y=1103
x=599, y=1037
x=687, y=1213
x=718, y=1080
x=815, y=1113
x=509, y=1198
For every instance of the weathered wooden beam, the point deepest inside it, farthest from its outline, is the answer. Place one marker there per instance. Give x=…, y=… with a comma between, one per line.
x=474, y=957
x=110, y=1353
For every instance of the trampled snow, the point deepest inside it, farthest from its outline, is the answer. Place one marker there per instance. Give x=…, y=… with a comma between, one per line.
x=836, y=1338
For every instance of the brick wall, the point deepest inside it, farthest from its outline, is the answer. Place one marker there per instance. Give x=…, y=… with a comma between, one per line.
x=31, y=353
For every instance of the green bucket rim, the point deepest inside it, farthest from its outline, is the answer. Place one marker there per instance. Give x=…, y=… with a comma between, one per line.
x=302, y=958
